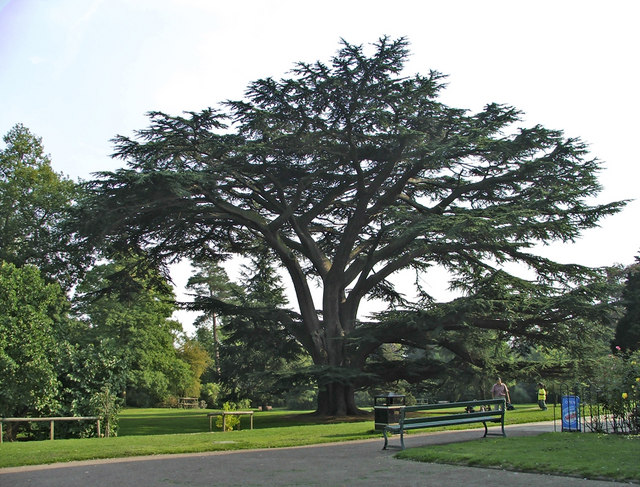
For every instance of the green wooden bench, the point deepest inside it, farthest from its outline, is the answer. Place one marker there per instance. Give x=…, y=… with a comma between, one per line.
x=431, y=416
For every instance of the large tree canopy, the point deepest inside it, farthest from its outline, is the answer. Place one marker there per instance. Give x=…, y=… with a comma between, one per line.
x=33, y=203
x=352, y=172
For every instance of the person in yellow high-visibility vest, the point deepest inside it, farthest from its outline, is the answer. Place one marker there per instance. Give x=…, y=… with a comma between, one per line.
x=542, y=396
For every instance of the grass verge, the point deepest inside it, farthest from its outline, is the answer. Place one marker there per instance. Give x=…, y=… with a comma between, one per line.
x=46, y=452
x=587, y=455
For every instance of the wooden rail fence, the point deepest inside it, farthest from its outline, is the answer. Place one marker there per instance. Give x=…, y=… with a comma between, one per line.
x=51, y=422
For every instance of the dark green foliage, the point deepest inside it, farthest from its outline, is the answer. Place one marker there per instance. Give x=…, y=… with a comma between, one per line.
x=258, y=354
x=351, y=172
x=628, y=330
x=90, y=375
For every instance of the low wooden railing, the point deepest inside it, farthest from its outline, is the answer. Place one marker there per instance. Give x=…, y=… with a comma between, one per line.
x=51, y=421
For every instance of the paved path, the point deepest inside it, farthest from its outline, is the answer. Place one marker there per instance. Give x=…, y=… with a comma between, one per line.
x=359, y=463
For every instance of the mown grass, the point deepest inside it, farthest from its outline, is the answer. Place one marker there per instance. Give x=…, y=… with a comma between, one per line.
x=166, y=431
x=176, y=421
x=590, y=455
x=45, y=452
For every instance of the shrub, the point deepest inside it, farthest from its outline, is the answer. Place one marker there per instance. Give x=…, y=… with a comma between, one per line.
x=617, y=385
x=210, y=393
x=230, y=421
x=170, y=402
x=106, y=406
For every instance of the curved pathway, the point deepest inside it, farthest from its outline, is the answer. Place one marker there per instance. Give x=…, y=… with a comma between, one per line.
x=356, y=463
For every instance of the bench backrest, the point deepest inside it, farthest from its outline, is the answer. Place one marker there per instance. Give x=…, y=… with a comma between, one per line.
x=451, y=405
x=407, y=415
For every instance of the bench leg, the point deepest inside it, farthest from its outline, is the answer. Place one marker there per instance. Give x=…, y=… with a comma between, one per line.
x=384, y=432
x=486, y=431
x=402, y=439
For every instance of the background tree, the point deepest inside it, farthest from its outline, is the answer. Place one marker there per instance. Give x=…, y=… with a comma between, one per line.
x=210, y=282
x=29, y=354
x=47, y=361
x=627, y=335
x=259, y=355
x=194, y=354
x=34, y=201
x=352, y=172
x=129, y=304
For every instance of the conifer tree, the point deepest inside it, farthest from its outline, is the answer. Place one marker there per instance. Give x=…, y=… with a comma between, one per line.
x=351, y=172
x=628, y=329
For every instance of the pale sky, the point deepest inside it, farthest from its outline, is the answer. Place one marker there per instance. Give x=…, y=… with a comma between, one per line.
x=79, y=72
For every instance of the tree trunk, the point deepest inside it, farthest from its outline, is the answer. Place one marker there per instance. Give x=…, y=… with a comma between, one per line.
x=216, y=348
x=337, y=399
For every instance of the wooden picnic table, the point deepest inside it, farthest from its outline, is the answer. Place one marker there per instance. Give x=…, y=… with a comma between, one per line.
x=188, y=402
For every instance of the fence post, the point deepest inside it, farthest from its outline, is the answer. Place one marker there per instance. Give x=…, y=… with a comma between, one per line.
x=51, y=423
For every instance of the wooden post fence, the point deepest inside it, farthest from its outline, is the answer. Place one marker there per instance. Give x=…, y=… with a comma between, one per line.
x=51, y=422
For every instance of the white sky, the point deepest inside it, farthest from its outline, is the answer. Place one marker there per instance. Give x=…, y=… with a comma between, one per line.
x=78, y=72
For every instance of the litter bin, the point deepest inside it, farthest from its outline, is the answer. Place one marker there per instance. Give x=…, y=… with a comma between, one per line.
x=570, y=413
x=386, y=409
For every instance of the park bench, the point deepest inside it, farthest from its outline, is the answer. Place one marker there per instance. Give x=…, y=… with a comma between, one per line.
x=431, y=416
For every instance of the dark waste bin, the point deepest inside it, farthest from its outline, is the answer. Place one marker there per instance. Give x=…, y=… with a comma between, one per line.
x=386, y=409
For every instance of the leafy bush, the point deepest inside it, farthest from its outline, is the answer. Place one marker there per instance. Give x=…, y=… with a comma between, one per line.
x=230, y=421
x=106, y=406
x=523, y=393
x=170, y=402
x=242, y=404
x=210, y=393
x=617, y=386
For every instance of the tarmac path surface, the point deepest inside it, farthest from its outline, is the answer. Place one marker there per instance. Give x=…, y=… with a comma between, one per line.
x=356, y=463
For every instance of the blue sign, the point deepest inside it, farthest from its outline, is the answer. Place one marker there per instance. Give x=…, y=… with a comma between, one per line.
x=570, y=413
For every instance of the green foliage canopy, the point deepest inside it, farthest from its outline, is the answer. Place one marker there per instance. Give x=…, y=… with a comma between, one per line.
x=34, y=201
x=136, y=319
x=628, y=329
x=31, y=310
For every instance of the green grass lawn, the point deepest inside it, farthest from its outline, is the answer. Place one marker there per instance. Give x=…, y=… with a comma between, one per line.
x=134, y=422
x=167, y=431
x=44, y=452
x=175, y=421
x=590, y=455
